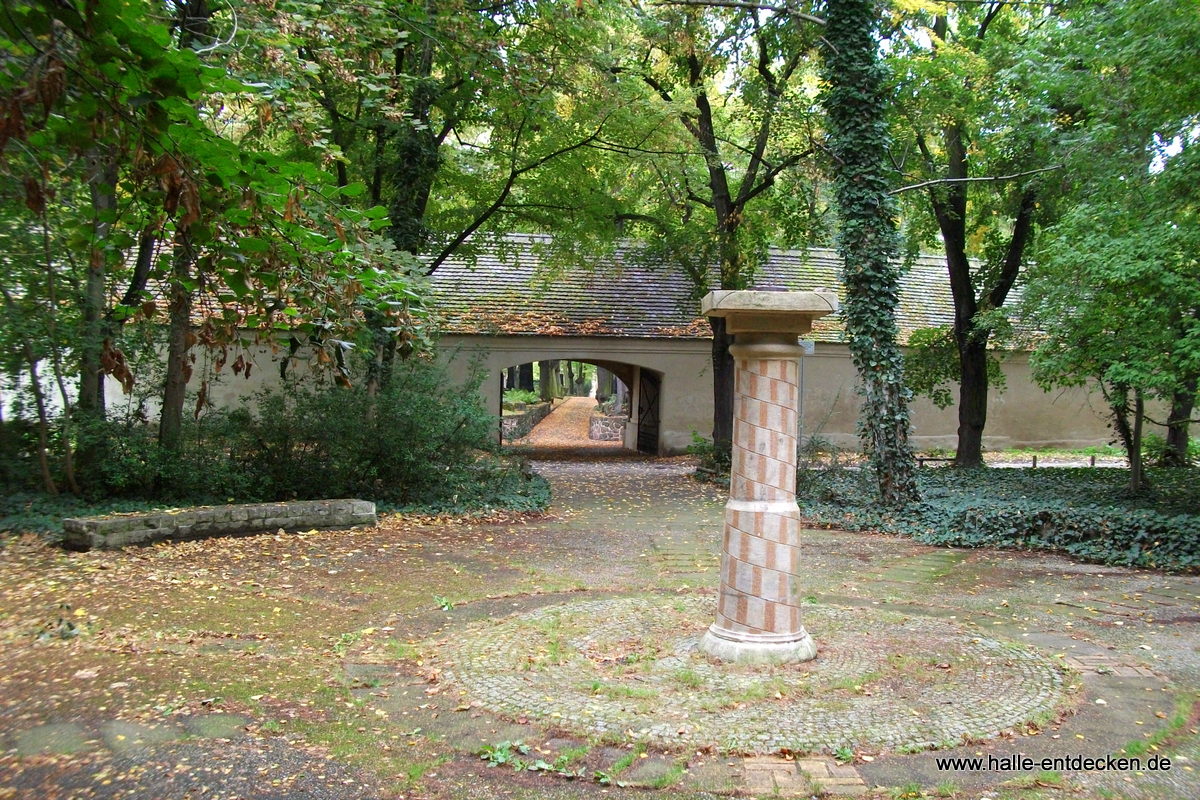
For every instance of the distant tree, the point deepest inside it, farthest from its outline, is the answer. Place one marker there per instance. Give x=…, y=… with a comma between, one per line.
x=976, y=148
x=730, y=90
x=1116, y=288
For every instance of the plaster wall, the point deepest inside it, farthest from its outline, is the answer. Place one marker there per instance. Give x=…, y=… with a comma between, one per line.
x=1021, y=416
x=685, y=401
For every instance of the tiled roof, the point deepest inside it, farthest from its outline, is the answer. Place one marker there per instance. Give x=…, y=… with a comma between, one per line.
x=503, y=289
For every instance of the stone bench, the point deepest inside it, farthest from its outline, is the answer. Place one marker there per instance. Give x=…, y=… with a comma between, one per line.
x=122, y=530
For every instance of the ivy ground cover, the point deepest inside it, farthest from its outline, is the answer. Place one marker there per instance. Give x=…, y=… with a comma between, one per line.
x=1081, y=511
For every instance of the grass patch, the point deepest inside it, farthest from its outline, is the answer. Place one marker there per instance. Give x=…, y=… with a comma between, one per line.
x=1177, y=721
x=688, y=677
x=626, y=761
x=670, y=777
x=618, y=691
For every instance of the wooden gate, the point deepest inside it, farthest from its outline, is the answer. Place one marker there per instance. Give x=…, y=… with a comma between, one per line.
x=649, y=386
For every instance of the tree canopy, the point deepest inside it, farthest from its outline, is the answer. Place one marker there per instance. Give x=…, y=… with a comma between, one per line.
x=197, y=176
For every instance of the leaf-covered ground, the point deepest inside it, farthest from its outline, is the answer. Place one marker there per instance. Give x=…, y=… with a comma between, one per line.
x=292, y=665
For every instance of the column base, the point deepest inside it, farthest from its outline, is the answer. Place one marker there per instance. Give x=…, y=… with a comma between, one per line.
x=758, y=648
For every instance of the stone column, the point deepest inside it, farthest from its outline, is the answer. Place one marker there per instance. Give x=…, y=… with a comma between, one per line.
x=758, y=612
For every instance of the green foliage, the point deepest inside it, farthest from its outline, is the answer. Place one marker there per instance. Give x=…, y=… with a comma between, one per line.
x=419, y=441
x=514, y=396
x=1154, y=450
x=1116, y=290
x=1083, y=512
x=505, y=754
x=40, y=513
x=858, y=138
x=715, y=459
x=419, y=444
x=931, y=365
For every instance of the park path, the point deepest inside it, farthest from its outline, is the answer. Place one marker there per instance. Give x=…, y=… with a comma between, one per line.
x=565, y=431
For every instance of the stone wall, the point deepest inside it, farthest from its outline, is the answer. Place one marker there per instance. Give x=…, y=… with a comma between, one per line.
x=607, y=429
x=516, y=426
x=121, y=530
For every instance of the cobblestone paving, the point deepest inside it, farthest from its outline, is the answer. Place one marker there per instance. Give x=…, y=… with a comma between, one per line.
x=631, y=665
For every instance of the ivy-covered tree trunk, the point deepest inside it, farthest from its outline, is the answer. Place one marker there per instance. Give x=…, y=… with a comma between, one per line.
x=1128, y=424
x=858, y=138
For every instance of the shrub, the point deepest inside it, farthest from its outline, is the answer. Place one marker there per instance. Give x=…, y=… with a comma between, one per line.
x=514, y=396
x=713, y=459
x=420, y=442
x=423, y=443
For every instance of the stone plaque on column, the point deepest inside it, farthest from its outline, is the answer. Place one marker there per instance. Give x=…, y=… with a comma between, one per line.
x=758, y=611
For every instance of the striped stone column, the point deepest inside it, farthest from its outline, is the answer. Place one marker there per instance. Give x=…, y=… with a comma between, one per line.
x=758, y=610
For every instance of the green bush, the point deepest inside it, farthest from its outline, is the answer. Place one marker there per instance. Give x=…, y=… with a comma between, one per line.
x=422, y=443
x=713, y=459
x=1154, y=449
x=1082, y=512
x=514, y=396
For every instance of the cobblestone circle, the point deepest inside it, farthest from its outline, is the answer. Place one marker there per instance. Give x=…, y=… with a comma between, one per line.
x=630, y=666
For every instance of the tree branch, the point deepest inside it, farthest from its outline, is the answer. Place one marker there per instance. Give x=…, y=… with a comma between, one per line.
x=988, y=178
x=746, y=5
x=514, y=173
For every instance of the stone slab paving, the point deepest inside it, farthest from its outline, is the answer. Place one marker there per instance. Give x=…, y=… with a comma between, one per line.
x=121, y=736
x=830, y=777
x=684, y=555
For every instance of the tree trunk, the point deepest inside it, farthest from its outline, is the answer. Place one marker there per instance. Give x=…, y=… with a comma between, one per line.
x=972, y=401
x=102, y=181
x=1137, y=472
x=546, y=380
x=1182, y=403
x=1130, y=432
x=525, y=377
x=722, y=362
x=179, y=336
x=39, y=397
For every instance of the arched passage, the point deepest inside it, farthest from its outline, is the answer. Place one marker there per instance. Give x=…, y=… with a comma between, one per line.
x=640, y=386
x=668, y=380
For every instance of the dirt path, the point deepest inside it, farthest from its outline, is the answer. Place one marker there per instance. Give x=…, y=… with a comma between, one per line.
x=564, y=433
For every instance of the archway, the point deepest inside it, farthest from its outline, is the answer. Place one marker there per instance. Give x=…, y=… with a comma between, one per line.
x=636, y=395
x=678, y=382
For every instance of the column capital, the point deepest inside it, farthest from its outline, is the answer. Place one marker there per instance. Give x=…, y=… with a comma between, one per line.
x=748, y=311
